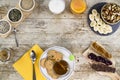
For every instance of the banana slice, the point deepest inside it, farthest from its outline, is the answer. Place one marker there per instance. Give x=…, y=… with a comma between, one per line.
x=109, y=28
x=91, y=17
x=98, y=15
x=93, y=24
x=96, y=28
x=110, y=31
x=97, y=18
x=105, y=31
x=98, y=24
x=94, y=12
x=101, y=31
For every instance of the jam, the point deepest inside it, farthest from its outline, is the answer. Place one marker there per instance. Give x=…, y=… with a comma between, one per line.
x=61, y=67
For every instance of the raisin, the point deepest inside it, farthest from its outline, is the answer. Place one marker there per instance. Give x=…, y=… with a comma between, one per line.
x=92, y=56
x=102, y=67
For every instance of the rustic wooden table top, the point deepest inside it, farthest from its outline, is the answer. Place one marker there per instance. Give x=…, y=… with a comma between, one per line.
x=67, y=30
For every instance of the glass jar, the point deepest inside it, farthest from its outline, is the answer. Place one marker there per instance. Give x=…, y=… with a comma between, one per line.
x=78, y=6
x=4, y=54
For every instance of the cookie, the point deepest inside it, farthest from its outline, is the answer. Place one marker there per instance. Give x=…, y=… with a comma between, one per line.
x=42, y=62
x=55, y=55
x=49, y=67
x=49, y=64
x=52, y=73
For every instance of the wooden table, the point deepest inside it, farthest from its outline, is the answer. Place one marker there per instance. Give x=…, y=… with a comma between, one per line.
x=67, y=30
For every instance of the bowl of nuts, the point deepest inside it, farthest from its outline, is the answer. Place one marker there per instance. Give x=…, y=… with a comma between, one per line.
x=110, y=13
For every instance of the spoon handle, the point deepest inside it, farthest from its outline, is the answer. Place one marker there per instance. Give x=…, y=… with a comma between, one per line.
x=16, y=38
x=34, y=75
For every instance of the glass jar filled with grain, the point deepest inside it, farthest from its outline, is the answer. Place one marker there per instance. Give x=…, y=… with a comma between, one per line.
x=4, y=54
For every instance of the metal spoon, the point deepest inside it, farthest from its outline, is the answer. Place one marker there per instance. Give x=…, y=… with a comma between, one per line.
x=14, y=30
x=33, y=58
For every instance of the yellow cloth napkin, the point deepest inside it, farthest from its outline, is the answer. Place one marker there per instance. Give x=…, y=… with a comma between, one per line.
x=24, y=65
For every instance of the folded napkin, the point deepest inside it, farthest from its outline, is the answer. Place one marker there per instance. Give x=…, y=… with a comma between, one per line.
x=24, y=65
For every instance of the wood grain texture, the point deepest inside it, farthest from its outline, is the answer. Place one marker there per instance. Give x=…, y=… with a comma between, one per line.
x=67, y=30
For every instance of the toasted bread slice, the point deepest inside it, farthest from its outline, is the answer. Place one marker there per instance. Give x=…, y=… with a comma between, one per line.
x=100, y=50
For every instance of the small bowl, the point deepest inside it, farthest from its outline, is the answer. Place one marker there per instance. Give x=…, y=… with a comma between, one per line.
x=26, y=10
x=58, y=67
x=8, y=54
x=8, y=32
x=107, y=15
x=56, y=9
x=20, y=13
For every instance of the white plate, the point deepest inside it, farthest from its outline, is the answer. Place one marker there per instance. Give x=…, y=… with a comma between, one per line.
x=66, y=54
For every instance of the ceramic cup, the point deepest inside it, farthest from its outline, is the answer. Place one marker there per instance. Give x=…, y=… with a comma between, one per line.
x=26, y=10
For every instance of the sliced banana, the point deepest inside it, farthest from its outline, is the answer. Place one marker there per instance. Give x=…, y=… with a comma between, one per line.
x=97, y=18
x=94, y=12
x=96, y=28
x=98, y=15
x=105, y=32
x=91, y=17
x=109, y=28
x=93, y=24
x=98, y=24
x=110, y=31
x=101, y=30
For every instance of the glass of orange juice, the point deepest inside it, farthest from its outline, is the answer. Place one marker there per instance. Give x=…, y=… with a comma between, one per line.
x=78, y=6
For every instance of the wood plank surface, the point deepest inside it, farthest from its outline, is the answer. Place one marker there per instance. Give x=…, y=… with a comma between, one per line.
x=67, y=30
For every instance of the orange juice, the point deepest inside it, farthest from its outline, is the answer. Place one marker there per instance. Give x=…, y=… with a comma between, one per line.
x=78, y=6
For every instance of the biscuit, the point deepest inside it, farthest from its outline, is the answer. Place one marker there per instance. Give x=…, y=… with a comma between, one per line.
x=42, y=62
x=49, y=64
x=49, y=67
x=52, y=73
x=55, y=55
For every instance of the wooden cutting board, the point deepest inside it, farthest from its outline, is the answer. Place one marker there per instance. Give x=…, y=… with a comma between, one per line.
x=113, y=76
x=25, y=15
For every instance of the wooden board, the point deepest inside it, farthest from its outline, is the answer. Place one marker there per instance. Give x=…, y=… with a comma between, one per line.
x=25, y=15
x=113, y=76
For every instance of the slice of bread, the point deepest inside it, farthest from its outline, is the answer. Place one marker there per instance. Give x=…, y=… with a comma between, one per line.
x=100, y=50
